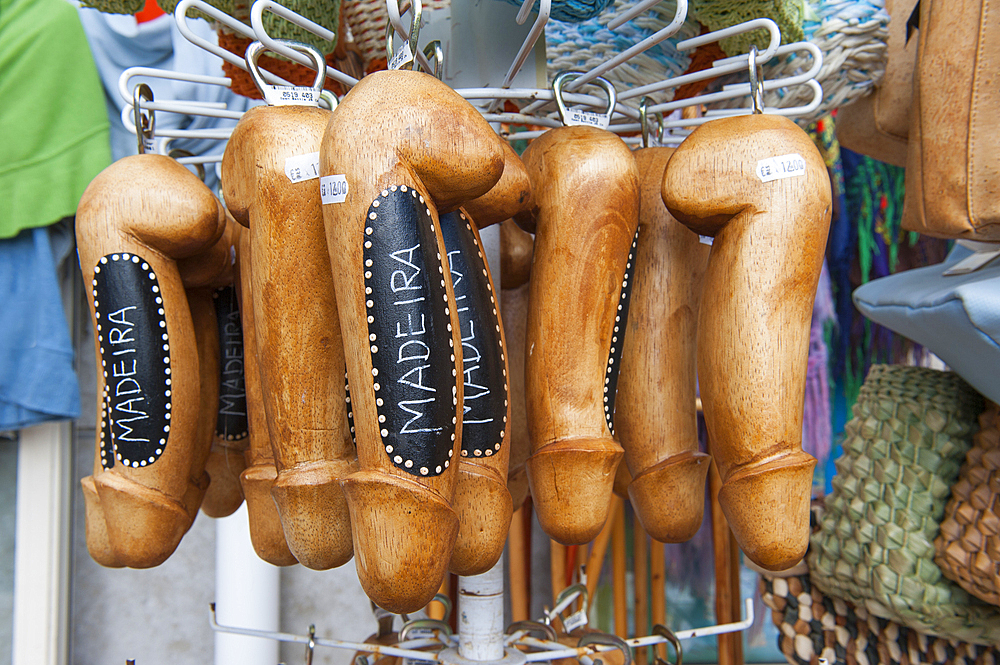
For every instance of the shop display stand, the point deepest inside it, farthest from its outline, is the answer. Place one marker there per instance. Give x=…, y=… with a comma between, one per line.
x=481, y=636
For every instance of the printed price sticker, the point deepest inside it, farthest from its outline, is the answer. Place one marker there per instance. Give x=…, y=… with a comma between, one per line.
x=333, y=188
x=402, y=56
x=574, y=621
x=579, y=117
x=779, y=168
x=291, y=96
x=302, y=167
x=148, y=145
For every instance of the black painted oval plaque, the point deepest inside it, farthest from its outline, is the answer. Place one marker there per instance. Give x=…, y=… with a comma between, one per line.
x=618, y=338
x=409, y=331
x=231, y=423
x=135, y=357
x=484, y=418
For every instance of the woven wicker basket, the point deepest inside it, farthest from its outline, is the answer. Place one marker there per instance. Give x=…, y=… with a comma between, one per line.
x=812, y=625
x=968, y=548
x=902, y=452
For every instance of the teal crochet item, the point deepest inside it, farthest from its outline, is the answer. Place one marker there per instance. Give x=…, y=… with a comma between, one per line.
x=572, y=11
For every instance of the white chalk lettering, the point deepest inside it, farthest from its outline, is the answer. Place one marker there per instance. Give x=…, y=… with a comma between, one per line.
x=405, y=406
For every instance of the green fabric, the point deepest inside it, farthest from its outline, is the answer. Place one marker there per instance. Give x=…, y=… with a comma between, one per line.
x=53, y=118
x=718, y=14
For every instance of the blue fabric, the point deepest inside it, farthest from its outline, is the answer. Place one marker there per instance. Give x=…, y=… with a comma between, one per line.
x=957, y=317
x=37, y=380
x=118, y=42
x=571, y=11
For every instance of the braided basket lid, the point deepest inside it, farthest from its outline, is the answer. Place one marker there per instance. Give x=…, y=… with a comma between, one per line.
x=968, y=547
x=812, y=625
x=902, y=452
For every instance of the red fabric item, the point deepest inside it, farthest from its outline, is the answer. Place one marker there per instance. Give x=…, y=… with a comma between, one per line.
x=149, y=12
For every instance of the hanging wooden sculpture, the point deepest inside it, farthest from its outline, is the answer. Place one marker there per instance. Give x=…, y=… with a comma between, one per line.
x=585, y=187
x=266, y=534
x=228, y=415
x=656, y=419
x=269, y=182
x=509, y=196
x=757, y=185
x=399, y=147
x=134, y=221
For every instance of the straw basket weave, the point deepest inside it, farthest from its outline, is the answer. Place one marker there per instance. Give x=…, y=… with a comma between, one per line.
x=812, y=625
x=968, y=548
x=903, y=450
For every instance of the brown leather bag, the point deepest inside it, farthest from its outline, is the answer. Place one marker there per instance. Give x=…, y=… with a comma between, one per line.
x=878, y=124
x=953, y=164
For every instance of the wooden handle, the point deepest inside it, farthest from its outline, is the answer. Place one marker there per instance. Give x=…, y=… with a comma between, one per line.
x=266, y=534
x=231, y=429
x=402, y=144
x=481, y=500
x=136, y=218
x=516, y=250
x=299, y=345
x=586, y=198
x=510, y=195
x=656, y=419
x=759, y=186
x=514, y=303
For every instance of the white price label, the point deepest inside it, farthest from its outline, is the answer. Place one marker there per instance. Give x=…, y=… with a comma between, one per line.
x=277, y=95
x=333, y=188
x=148, y=145
x=302, y=167
x=706, y=240
x=579, y=117
x=779, y=168
x=402, y=56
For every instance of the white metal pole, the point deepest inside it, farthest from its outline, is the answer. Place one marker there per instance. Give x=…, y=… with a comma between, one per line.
x=247, y=594
x=480, y=615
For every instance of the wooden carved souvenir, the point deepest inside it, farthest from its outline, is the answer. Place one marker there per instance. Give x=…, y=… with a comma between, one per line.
x=266, y=534
x=227, y=416
x=656, y=419
x=134, y=221
x=586, y=205
x=299, y=347
x=400, y=146
x=508, y=197
x=757, y=185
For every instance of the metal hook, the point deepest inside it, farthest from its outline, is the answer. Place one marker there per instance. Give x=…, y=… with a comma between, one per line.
x=532, y=627
x=609, y=640
x=644, y=121
x=288, y=95
x=446, y=601
x=425, y=624
x=571, y=117
x=756, y=83
x=663, y=631
x=145, y=119
x=404, y=57
x=434, y=50
x=311, y=645
x=177, y=153
x=327, y=100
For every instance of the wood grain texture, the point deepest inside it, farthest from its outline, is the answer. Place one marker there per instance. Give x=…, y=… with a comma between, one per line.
x=514, y=305
x=299, y=344
x=150, y=207
x=400, y=132
x=510, y=195
x=585, y=207
x=516, y=250
x=753, y=326
x=481, y=501
x=266, y=534
x=226, y=459
x=655, y=418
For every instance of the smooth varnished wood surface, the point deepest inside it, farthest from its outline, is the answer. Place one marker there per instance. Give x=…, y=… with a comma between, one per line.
x=514, y=304
x=753, y=327
x=585, y=208
x=516, y=250
x=655, y=418
x=151, y=207
x=299, y=344
x=266, y=534
x=510, y=195
x=399, y=129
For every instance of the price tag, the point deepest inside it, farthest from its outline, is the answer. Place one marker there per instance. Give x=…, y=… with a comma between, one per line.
x=280, y=95
x=401, y=57
x=148, y=145
x=706, y=240
x=333, y=188
x=302, y=167
x=579, y=117
x=576, y=620
x=778, y=168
